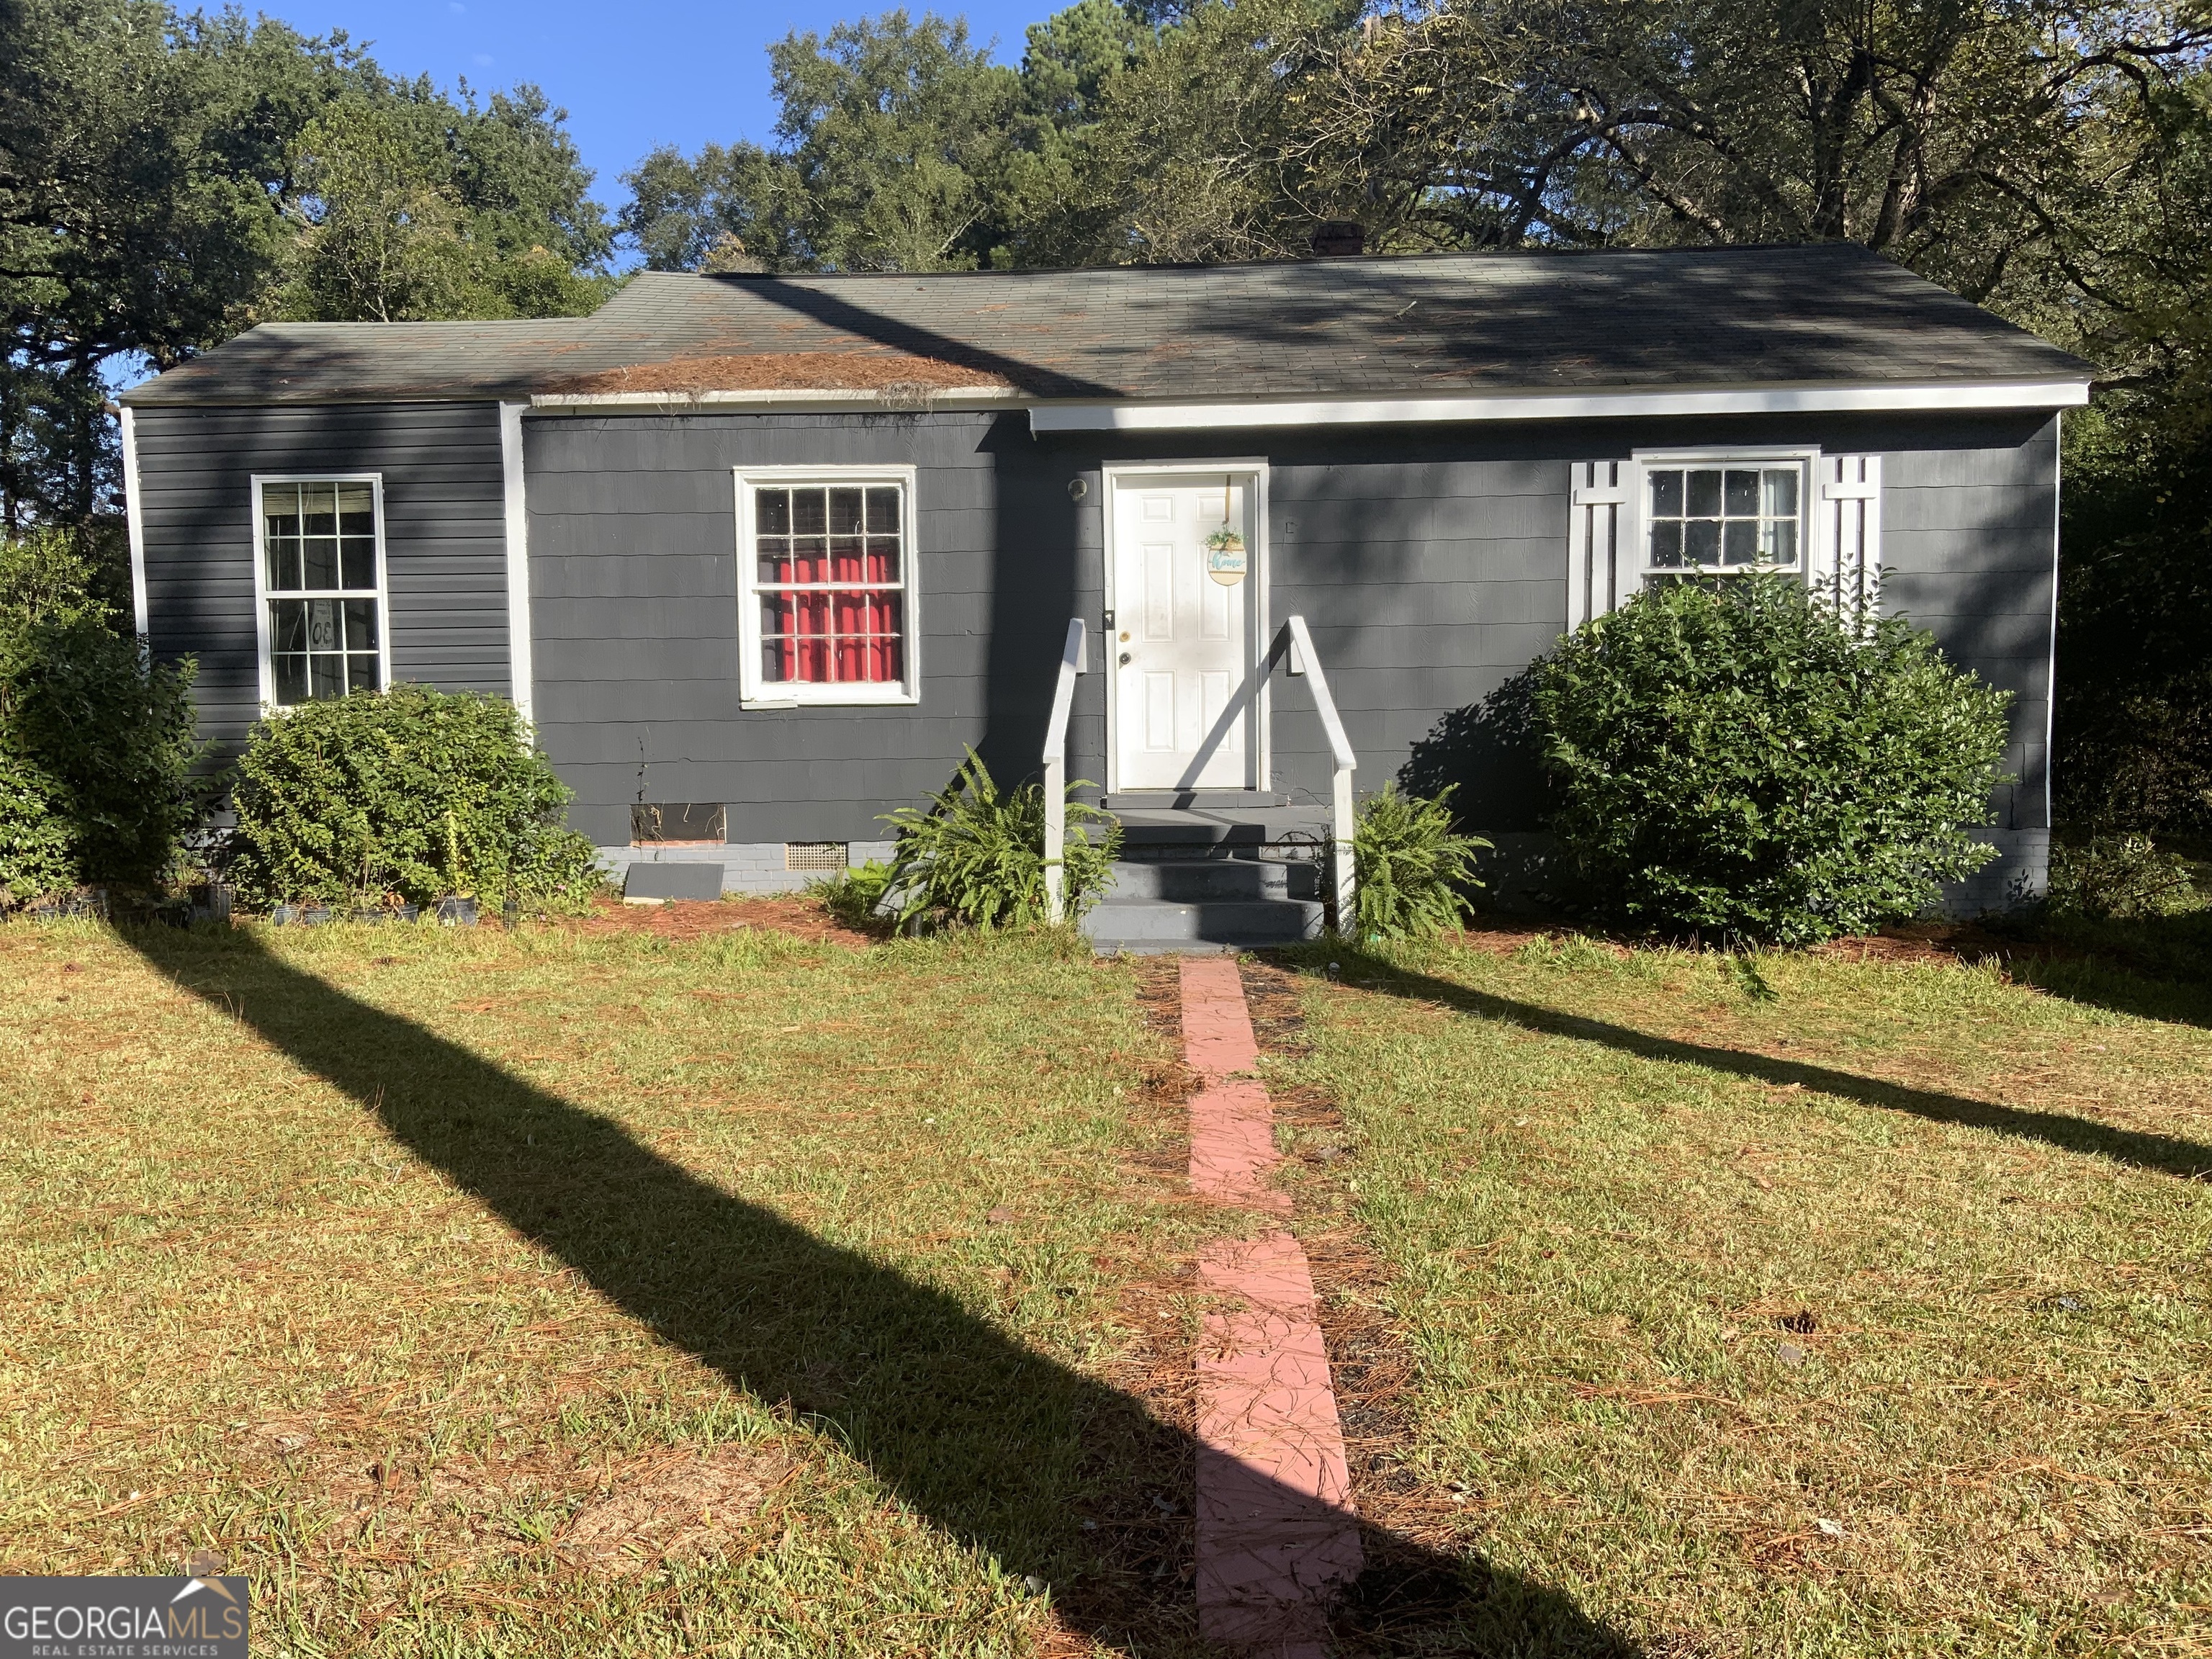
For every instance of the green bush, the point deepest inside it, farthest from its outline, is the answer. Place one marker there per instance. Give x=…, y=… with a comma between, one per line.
x=976, y=856
x=409, y=794
x=38, y=855
x=2120, y=878
x=97, y=742
x=1412, y=869
x=1738, y=760
x=855, y=896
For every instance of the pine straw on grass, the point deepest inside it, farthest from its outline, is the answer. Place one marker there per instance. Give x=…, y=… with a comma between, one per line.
x=791, y=914
x=386, y=1265
x=1807, y=1303
x=1419, y=1584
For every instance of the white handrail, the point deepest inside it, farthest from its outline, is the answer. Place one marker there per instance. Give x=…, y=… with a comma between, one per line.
x=1303, y=660
x=1055, y=775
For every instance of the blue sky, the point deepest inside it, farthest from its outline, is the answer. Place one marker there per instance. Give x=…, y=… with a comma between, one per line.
x=630, y=75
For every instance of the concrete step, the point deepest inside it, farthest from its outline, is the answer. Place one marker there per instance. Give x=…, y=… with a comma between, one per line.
x=1142, y=926
x=1188, y=836
x=1225, y=802
x=1194, y=881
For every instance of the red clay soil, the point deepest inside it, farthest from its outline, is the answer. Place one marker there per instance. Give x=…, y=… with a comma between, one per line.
x=691, y=918
x=790, y=371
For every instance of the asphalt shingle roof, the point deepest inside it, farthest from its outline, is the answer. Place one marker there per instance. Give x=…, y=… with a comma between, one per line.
x=1438, y=324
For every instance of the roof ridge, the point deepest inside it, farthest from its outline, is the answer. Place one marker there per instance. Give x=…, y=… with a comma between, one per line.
x=1333, y=262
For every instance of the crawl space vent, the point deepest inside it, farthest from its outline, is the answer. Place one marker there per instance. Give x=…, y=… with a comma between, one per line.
x=815, y=855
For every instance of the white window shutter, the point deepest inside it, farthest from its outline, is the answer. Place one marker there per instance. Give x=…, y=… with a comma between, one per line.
x=1847, y=550
x=1601, y=562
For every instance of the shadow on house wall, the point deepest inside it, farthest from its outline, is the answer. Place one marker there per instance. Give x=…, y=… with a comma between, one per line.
x=1489, y=755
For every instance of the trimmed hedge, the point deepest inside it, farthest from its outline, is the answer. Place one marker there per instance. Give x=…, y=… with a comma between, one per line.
x=410, y=795
x=1739, y=761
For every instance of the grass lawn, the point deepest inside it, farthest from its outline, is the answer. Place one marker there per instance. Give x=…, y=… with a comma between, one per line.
x=562, y=1292
x=595, y=1291
x=1806, y=1306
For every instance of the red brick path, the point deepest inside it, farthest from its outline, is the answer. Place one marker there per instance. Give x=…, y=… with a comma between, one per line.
x=1276, y=1535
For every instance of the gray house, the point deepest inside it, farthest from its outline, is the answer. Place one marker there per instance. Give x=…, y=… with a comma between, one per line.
x=761, y=556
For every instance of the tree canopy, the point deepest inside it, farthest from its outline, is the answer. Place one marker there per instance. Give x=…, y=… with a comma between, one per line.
x=166, y=180
x=408, y=205
x=2051, y=158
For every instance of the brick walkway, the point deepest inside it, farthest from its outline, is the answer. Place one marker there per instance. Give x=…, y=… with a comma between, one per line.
x=1276, y=1535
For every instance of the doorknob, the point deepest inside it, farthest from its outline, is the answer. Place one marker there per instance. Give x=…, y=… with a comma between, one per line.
x=1125, y=660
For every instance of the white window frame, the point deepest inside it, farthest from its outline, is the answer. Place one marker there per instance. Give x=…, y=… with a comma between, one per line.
x=264, y=643
x=1636, y=511
x=756, y=691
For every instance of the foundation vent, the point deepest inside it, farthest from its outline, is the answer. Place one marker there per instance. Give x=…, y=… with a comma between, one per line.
x=815, y=855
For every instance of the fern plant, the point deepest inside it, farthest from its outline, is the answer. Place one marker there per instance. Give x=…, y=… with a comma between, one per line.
x=1412, y=868
x=855, y=896
x=976, y=856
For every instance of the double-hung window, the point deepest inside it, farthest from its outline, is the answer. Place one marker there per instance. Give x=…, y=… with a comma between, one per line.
x=827, y=564
x=1708, y=515
x=319, y=571
x=1723, y=517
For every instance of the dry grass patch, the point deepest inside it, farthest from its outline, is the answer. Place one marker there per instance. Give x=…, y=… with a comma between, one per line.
x=592, y=1291
x=1797, y=1304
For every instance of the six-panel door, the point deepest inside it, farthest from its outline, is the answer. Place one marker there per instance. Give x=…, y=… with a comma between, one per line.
x=1180, y=649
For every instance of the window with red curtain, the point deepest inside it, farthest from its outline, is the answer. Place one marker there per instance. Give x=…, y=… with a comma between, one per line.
x=829, y=577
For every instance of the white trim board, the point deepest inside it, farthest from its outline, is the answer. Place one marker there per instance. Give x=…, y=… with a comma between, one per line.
x=134, y=512
x=520, y=668
x=2051, y=663
x=956, y=397
x=1561, y=406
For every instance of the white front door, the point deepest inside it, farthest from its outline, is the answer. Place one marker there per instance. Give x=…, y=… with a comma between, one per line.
x=1186, y=556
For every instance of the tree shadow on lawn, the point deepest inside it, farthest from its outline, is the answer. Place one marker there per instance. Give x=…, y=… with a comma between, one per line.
x=2153, y=967
x=2167, y=1153
x=1000, y=1447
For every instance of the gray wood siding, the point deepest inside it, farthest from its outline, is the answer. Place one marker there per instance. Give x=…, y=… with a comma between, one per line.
x=1969, y=540
x=444, y=534
x=634, y=616
x=1430, y=564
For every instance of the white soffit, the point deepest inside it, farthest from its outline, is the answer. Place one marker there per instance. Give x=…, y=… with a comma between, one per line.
x=1563, y=406
x=953, y=397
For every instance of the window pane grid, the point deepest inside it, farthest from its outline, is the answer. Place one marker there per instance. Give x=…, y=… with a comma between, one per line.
x=318, y=570
x=829, y=577
x=1722, y=518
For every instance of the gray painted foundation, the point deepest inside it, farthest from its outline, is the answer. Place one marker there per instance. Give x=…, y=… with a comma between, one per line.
x=747, y=867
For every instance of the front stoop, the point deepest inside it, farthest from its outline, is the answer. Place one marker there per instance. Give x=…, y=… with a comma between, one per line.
x=1205, y=886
